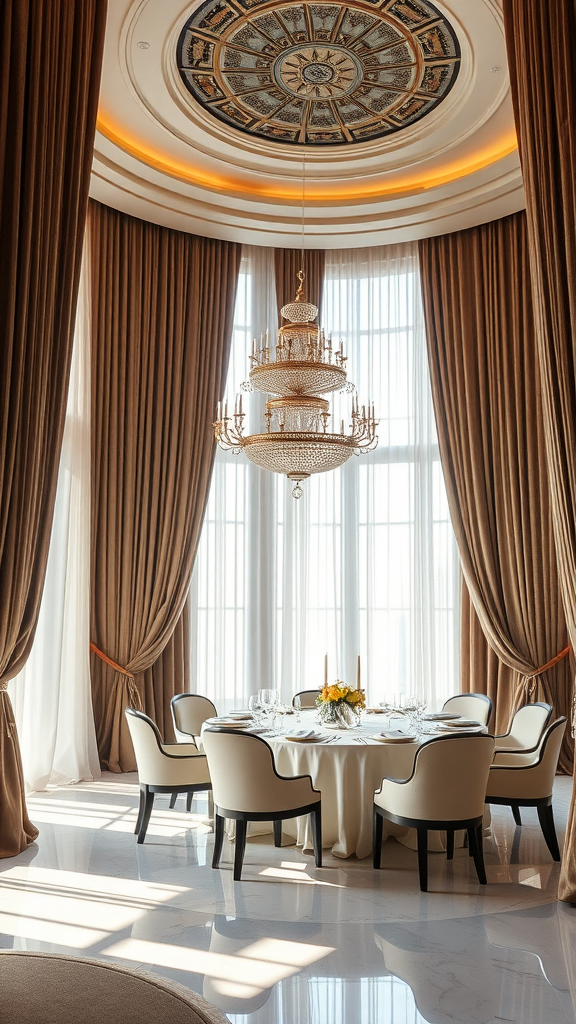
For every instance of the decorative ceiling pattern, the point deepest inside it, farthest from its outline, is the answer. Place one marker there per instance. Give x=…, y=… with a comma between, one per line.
x=318, y=73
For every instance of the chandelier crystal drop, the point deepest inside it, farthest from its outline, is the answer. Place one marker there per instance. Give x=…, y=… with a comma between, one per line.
x=302, y=367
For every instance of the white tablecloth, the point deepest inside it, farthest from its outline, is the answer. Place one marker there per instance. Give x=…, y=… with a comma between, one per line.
x=347, y=773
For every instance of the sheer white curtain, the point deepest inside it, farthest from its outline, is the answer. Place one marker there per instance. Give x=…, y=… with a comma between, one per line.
x=365, y=562
x=52, y=696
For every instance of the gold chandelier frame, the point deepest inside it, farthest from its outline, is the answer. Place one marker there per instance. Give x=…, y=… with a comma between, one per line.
x=302, y=367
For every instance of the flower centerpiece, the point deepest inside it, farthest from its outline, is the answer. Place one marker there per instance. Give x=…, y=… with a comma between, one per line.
x=340, y=705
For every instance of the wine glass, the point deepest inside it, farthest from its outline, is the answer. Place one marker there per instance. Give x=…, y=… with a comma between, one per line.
x=297, y=705
x=255, y=707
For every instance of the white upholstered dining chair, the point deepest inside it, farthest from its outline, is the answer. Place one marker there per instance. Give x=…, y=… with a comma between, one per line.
x=189, y=712
x=445, y=791
x=307, y=699
x=246, y=787
x=163, y=767
x=527, y=780
x=525, y=731
x=470, y=705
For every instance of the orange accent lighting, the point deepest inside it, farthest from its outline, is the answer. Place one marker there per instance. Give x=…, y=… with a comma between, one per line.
x=266, y=189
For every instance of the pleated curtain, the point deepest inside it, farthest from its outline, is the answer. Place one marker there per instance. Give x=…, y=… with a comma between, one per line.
x=541, y=44
x=163, y=305
x=486, y=391
x=50, y=61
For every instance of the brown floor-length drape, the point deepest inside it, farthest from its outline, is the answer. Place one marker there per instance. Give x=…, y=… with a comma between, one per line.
x=50, y=61
x=287, y=263
x=486, y=392
x=481, y=670
x=170, y=674
x=541, y=43
x=162, y=314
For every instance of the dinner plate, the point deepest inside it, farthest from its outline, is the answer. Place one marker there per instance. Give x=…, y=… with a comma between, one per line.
x=240, y=716
x=377, y=711
x=462, y=723
x=441, y=716
x=316, y=738
x=390, y=738
x=465, y=729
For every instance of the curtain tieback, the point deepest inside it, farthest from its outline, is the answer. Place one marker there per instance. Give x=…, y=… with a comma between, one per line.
x=529, y=677
x=135, y=701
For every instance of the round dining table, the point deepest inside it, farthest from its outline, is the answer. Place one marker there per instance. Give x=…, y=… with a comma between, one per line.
x=347, y=767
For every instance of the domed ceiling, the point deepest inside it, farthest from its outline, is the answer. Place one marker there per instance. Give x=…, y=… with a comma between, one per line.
x=393, y=116
x=318, y=74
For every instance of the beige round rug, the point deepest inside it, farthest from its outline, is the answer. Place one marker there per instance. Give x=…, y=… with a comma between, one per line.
x=46, y=988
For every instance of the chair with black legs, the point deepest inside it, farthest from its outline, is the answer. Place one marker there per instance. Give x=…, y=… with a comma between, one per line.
x=470, y=705
x=246, y=787
x=163, y=767
x=525, y=731
x=527, y=779
x=189, y=712
x=445, y=791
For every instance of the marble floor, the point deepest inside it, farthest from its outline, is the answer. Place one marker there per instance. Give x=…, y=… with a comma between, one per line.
x=291, y=944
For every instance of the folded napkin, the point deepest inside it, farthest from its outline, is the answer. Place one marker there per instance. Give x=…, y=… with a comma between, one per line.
x=305, y=734
x=396, y=734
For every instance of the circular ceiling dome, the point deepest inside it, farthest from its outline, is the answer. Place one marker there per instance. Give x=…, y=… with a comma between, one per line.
x=318, y=73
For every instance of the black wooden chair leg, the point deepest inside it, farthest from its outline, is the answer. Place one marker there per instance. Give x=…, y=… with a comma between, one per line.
x=316, y=817
x=173, y=799
x=377, y=840
x=478, y=854
x=546, y=819
x=471, y=841
x=141, y=806
x=278, y=833
x=218, y=839
x=423, y=858
x=189, y=801
x=147, y=811
x=516, y=814
x=241, y=827
x=450, y=844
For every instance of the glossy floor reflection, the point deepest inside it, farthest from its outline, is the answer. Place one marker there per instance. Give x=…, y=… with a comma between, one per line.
x=291, y=944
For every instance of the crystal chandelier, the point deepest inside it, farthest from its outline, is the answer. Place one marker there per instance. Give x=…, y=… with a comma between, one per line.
x=301, y=369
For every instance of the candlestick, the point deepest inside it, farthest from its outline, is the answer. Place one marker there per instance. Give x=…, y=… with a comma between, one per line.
x=358, y=687
x=325, y=670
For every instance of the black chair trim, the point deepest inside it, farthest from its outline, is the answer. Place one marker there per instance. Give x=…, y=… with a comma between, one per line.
x=506, y=801
x=429, y=823
x=268, y=815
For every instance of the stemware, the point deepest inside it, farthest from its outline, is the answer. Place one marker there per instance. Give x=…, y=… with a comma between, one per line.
x=255, y=706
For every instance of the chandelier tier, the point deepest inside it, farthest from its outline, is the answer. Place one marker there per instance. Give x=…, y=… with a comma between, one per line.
x=302, y=367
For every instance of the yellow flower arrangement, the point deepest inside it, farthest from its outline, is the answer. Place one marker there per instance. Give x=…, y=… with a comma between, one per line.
x=340, y=693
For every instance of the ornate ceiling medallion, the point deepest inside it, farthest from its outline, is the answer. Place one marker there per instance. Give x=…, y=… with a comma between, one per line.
x=318, y=73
